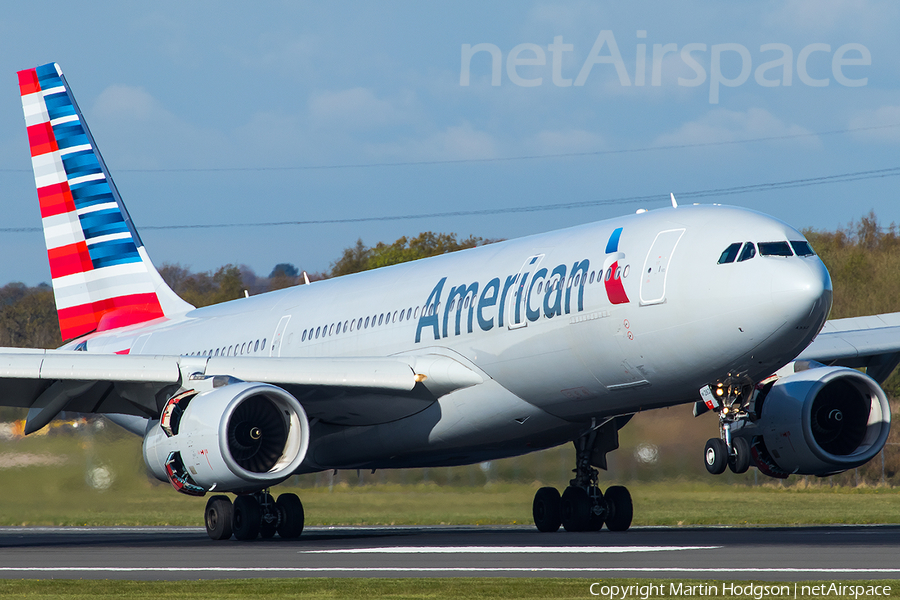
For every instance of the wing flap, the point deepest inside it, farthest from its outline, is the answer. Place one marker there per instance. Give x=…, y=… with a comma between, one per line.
x=378, y=373
x=80, y=366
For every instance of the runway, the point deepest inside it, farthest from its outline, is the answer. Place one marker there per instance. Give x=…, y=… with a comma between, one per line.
x=832, y=553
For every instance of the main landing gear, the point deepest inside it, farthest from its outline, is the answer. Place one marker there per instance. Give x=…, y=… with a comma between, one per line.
x=254, y=515
x=582, y=506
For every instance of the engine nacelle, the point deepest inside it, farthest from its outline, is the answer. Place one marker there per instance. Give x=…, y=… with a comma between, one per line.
x=819, y=422
x=234, y=438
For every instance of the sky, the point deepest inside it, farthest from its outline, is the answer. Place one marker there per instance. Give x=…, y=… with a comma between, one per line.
x=497, y=119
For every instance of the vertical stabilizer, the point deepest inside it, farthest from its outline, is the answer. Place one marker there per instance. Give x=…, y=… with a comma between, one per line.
x=102, y=276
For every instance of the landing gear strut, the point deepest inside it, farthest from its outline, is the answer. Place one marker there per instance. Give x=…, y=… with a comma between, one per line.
x=735, y=405
x=582, y=506
x=254, y=515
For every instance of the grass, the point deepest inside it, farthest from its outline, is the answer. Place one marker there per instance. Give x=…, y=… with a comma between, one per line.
x=396, y=589
x=56, y=490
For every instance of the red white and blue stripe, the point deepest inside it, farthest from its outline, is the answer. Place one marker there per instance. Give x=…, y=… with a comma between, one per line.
x=99, y=269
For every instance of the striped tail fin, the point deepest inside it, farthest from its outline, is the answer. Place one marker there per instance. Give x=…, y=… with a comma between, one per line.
x=102, y=276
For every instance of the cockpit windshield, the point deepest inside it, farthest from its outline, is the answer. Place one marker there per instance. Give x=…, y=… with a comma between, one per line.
x=775, y=249
x=742, y=251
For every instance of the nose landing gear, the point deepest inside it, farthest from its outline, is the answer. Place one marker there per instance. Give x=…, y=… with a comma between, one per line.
x=735, y=406
x=254, y=515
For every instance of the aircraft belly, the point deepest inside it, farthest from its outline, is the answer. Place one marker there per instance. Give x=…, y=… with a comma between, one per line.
x=461, y=427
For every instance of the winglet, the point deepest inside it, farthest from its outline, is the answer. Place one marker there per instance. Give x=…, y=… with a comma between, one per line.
x=102, y=276
x=674, y=204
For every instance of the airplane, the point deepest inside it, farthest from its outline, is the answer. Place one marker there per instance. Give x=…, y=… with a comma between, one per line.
x=485, y=353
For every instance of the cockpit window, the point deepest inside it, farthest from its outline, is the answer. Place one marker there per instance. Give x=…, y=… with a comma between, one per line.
x=802, y=248
x=775, y=249
x=730, y=253
x=748, y=252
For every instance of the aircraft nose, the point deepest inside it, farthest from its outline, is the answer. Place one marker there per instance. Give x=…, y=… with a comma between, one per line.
x=802, y=288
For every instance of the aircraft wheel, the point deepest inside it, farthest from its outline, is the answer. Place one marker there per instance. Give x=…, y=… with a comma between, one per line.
x=268, y=517
x=218, y=517
x=290, y=510
x=619, y=507
x=740, y=462
x=575, y=509
x=246, y=519
x=716, y=456
x=546, y=509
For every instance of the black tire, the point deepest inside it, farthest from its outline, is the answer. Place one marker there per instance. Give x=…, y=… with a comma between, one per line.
x=739, y=462
x=545, y=510
x=290, y=511
x=619, y=508
x=246, y=519
x=218, y=517
x=715, y=456
x=575, y=509
x=267, y=526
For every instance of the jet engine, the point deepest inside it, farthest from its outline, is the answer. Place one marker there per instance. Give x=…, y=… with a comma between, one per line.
x=819, y=421
x=234, y=437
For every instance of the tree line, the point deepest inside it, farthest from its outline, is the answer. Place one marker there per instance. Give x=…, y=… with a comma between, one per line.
x=863, y=259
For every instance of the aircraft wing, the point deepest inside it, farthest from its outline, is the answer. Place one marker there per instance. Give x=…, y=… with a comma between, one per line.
x=347, y=391
x=872, y=342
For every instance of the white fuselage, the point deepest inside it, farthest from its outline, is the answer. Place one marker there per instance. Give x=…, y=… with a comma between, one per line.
x=665, y=320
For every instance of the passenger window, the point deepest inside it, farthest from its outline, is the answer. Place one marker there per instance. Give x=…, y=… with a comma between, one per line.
x=381, y=319
x=730, y=253
x=416, y=313
x=346, y=323
x=303, y=337
x=318, y=329
x=395, y=317
x=263, y=345
x=402, y=313
x=367, y=323
x=243, y=347
x=577, y=279
x=748, y=252
x=802, y=248
x=592, y=277
x=775, y=249
x=256, y=346
x=217, y=351
x=359, y=324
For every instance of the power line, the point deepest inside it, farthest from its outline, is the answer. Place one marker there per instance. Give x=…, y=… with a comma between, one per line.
x=498, y=159
x=689, y=195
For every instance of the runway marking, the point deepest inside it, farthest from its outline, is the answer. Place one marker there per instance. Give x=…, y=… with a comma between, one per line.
x=730, y=570
x=506, y=549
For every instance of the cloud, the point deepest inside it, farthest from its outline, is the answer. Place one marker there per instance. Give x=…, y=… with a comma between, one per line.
x=878, y=118
x=828, y=15
x=141, y=133
x=561, y=141
x=456, y=142
x=723, y=125
x=357, y=108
